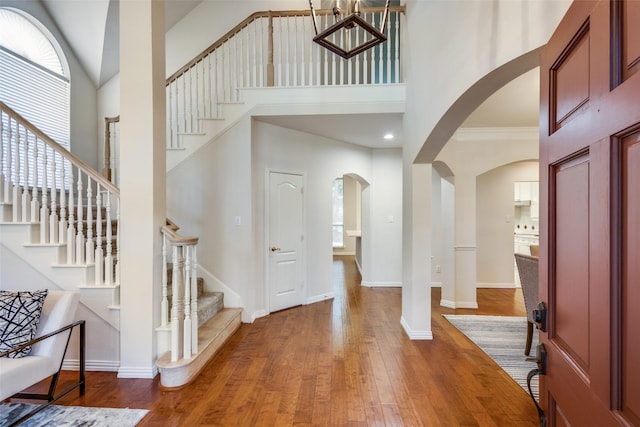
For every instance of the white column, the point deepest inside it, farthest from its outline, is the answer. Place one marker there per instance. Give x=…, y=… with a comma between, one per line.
x=465, y=240
x=416, y=277
x=142, y=181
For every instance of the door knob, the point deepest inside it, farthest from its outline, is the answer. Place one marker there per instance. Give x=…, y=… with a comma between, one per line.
x=274, y=248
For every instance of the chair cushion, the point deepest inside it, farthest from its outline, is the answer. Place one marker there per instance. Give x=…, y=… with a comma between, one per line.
x=19, y=316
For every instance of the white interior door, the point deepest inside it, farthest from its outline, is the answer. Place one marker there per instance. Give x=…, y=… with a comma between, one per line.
x=286, y=239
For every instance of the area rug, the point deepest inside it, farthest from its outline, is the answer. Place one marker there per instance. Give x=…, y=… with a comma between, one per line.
x=503, y=339
x=57, y=415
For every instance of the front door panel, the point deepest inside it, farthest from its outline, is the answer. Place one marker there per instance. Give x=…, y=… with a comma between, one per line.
x=590, y=215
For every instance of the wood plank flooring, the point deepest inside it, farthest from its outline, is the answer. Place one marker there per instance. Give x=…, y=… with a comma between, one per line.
x=342, y=362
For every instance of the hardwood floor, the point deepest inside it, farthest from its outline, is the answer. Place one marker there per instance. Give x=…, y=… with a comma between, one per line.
x=340, y=362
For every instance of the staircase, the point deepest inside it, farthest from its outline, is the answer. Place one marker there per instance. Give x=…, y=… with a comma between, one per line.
x=44, y=216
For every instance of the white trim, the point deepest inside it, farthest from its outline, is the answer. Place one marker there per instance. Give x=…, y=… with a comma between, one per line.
x=436, y=284
x=318, y=298
x=343, y=253
x=499, y=133
x=448, y=303
x=462, y=248
x=381, y=284
x=258, y=314
x=467, y=304
x=496, y=285
x=134, y=372
x=358, y=266
x=91, y=365
x=415, y=335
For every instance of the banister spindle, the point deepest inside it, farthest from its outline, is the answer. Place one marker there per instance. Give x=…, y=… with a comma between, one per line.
x=186, y=338
x=35, y=203
x=15, y=177
x=53, y=215
x=89, y=250
x=164, y=303
x=98, y=255
x=396, y=40
x=44, y=207
x=194, y=301
x=175, y=286
x=108, y=259
x=3, y=141
x=62, y=223
x=71, y=229
x=25, y=173
x=80, y=222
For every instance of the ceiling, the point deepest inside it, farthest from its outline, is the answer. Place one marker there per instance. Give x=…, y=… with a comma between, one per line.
x=515, y=105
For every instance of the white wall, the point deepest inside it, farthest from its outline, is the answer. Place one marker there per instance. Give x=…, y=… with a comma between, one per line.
x=83, y=126
x=321, y=160
x=209, y=21
x=495, y=222
x=386, y=219
x=204, y=195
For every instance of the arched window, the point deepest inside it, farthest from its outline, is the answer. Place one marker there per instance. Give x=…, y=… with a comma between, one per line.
x=33, y=80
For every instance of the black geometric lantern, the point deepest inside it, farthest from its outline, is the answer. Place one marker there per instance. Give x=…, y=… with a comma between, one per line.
x=342, y=38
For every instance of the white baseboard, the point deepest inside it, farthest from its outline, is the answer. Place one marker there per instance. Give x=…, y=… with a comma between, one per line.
x=136, y=372
x=436, y=284
x=91, y=365
x=319, y=298
x=258, y=314
x=415, y=335
x=381, y=284
x=447, y=303
x=459, y=304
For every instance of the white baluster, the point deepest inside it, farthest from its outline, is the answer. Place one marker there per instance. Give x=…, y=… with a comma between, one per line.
x=53, y=215
x=3, y=141
x=108, y=259
x=35, y=204
x=15, y=181
x=98, y=255
x=44, y=209
x=117, y=263
x=175, y=327
x=186, y=344
x=194, y=301
x=164, y=303
x=388, y=80
x=8, y=186
x=397, y=48
x=26, y=203
x=71, y=229
x=80, y=223
x=303, y=69
x=90, y=249
x=62, y=224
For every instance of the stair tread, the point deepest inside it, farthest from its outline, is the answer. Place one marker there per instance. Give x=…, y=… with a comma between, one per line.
x=207, y=334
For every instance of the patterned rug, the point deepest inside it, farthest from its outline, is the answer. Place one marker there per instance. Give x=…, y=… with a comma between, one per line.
x=503, y=339
x=56, y=415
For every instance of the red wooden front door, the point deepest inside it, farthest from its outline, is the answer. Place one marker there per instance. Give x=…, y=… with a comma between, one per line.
x=590, y=210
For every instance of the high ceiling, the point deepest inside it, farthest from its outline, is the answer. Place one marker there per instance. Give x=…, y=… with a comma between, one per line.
x=515, y=105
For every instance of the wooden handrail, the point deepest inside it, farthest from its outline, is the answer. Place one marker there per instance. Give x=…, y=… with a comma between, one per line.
x=177, y=239
x=104, y=183
x=265, y=14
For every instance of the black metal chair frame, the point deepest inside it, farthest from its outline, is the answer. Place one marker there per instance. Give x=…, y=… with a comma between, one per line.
x=51, y=397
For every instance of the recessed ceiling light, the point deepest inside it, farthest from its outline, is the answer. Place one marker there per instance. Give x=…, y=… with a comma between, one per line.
x=388, y=136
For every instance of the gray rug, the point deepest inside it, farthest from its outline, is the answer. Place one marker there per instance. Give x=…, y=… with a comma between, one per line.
x=503, y=339
x=57, y=415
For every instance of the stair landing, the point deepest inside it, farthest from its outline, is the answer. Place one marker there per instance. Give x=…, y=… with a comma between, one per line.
x=211, y=337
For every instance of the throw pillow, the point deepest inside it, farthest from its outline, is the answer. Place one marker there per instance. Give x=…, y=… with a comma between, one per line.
x=19, y=316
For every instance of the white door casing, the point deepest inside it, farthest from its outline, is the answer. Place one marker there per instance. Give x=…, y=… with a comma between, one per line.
x=285, y=238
